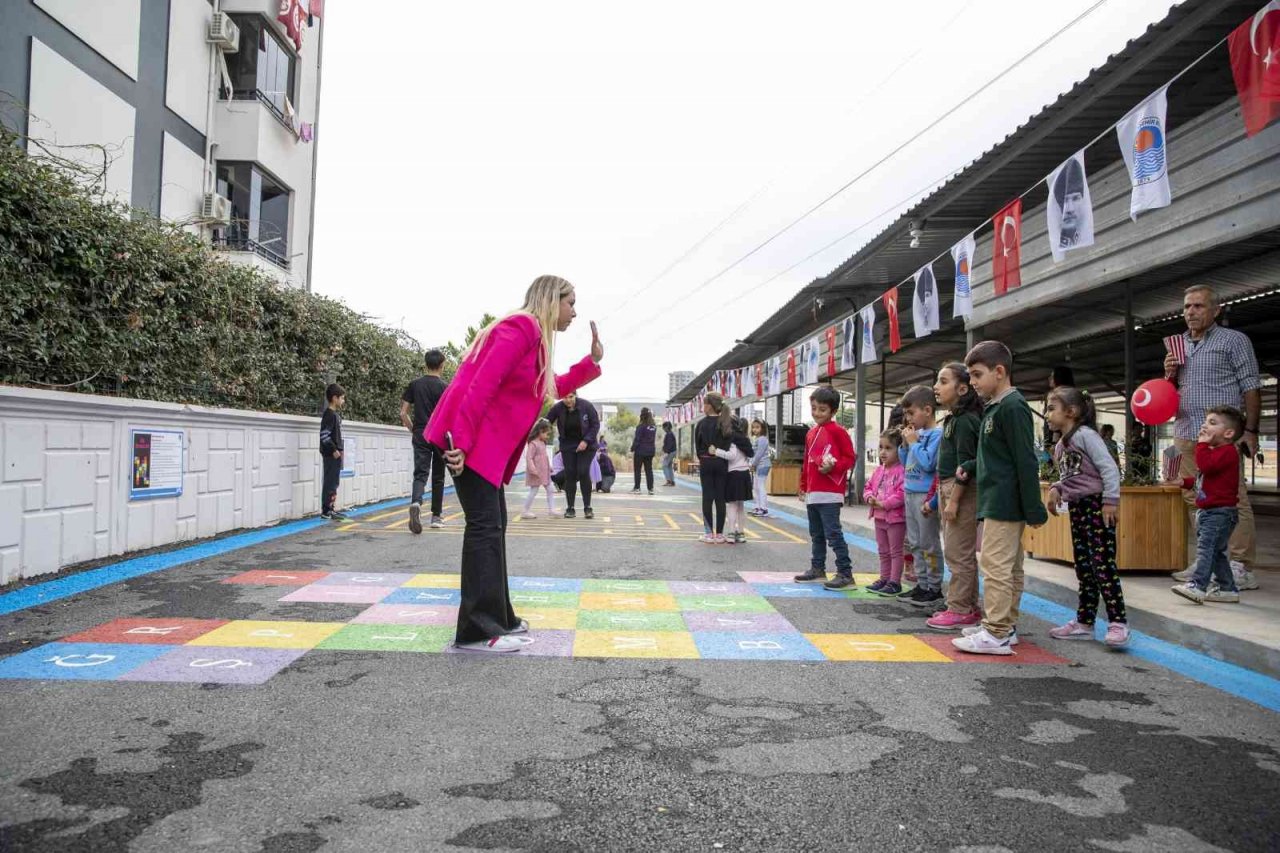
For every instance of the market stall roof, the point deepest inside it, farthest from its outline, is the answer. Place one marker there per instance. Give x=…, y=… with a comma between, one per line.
x=1006, y=170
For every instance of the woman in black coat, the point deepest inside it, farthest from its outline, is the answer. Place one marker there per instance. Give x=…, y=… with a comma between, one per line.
x=715, y=432
x=578, y=427
x=643, y=449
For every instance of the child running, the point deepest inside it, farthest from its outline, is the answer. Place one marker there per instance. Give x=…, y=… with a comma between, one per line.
x=828, y=458
x=885, y=497
x=760, y=465
x=537, y=469
x=1008, y=480
x=958, y=499
x=922, y=437
x=1089, y=483
x=1216, y=490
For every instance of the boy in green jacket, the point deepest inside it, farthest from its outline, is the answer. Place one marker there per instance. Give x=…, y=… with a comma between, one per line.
x=1008, y=480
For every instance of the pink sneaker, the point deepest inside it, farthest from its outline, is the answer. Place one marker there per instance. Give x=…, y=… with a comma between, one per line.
x=1073, y=630
x=947, y=620
x=1117, y=635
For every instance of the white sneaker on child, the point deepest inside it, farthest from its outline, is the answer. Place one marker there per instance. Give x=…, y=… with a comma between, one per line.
x=1244, y=577
x=970, y=630
x=983, y=643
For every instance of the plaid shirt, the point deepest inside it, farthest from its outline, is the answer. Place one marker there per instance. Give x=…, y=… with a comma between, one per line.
x=1220, y=369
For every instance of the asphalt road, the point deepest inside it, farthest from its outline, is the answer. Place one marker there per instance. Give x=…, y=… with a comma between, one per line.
x=372, y=738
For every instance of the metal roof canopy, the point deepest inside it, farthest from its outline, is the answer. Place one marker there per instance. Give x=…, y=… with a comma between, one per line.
x=1006, y=170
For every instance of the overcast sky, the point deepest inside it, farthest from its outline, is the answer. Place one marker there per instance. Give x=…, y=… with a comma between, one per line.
x=466, y=148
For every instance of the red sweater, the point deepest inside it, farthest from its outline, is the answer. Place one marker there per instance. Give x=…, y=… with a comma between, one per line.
x=1219, y=480
x=830, y=436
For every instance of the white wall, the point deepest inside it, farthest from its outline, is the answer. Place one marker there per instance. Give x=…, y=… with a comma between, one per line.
x=181, y=190
x=61, y=115
x=110, y=27
x=187, y=81
x=64, y=485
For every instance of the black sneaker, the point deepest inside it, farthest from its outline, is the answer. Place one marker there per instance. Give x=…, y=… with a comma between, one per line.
x=909, y=593
x=811, y=575
x=877, y=585
x=890, y=590
x=651, y=491
x=926, y=598
x=839, y=582
x=338, y=516
x=635, y=491
x=327, y=516
x=587, y=513
x=570, y=513
x=415, y=518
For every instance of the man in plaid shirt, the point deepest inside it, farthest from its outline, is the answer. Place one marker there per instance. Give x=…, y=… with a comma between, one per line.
x=1220, y=370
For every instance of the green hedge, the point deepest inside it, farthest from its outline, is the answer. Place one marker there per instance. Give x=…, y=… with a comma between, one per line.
x=96, y=300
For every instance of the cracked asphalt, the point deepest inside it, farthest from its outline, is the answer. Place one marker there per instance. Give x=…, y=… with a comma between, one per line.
x=373, y=750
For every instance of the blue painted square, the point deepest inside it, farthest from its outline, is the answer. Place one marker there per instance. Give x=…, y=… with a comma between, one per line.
x=734, y=645
x=545, y=584
x=796, y=590
x=421, y=595
x=81, y=661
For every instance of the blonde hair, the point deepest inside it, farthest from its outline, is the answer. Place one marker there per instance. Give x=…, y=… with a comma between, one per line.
x=542, y=303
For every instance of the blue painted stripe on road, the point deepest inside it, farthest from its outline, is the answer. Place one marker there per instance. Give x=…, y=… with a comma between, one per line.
x=1245, y=683
x=53, y=590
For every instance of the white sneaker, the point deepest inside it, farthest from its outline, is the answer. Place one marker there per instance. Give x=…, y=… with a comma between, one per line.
x=522, y=627
x=1217, y=594
x=527, y=515
x=436, y=522
x=1185, y=575
x=1244, y=577
x=970, y=630
x=983, y=643
x=1189, y=591
x=493, y=644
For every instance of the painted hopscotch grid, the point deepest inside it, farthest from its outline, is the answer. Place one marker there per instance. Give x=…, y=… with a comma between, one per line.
x=401, y=612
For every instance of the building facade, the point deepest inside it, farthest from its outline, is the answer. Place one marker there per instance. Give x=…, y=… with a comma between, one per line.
x=199, y=112
x=677, y=380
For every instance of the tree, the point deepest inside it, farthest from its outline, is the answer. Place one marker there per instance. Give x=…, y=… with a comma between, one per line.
x=621, y=429
x=453, y=352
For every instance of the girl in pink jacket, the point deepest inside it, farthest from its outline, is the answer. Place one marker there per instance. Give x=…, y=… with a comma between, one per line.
x=885, y=496
x=482, y=424
x=537, y=469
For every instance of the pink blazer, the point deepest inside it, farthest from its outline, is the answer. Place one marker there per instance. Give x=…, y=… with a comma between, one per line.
x=886, y=486
x=493, y=400
x=537, y=467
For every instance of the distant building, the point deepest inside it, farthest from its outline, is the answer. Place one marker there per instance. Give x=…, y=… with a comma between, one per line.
x=677, y=380
x=204, y=119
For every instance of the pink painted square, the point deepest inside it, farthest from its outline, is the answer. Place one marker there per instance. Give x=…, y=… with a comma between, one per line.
x=768, y=577
x=408, y=614
x=340, y=594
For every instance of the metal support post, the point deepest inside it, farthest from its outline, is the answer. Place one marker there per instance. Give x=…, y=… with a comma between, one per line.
x=1130, y=373
x=860, y=392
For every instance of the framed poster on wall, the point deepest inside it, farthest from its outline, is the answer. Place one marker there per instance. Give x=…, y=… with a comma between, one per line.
x=156, y=463
x=350, y=456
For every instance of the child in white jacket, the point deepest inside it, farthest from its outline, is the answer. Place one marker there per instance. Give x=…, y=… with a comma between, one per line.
x=738, y=489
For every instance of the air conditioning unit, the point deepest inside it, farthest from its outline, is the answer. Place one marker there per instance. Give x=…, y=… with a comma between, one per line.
x=216, y=208
x=224, y=33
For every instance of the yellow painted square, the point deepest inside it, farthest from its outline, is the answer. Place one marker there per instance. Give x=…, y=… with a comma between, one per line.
x=876, y=647
x=550, y=618
x=269, y=635
x=863, y=579
x=634, y=644
x=435, y=581
x=627, y=601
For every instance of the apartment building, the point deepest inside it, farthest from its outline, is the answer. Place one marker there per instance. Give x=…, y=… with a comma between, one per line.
x=200, y=112
x=677, y=380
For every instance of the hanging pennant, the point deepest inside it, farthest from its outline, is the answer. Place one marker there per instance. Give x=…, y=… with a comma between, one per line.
x=849, y=332
x=890, y=299
x=791, y=368
x=812, y=355
x=962, y=254
x=759, y=374
x=924, y=303
x=775, y=376
x=1006, y=252
x=831, y=350
x=868, y=314
x=1142, y=142
x=1069, y=209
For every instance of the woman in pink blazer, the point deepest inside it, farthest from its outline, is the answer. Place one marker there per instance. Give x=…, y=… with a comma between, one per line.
x=485, y=415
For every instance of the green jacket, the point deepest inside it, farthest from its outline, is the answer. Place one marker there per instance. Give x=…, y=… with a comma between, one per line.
x=1008, y=469
x=959, y=446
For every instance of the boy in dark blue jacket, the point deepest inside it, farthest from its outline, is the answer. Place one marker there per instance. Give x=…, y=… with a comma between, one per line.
x=331, y=448
x=668, y=453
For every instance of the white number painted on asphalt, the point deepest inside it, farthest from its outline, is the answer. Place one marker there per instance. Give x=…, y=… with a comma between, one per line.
x=147, y=629
x=632, y=643
x=865, y=646
x=759, y=644
x=90, y=660
x=220, y=663
x=269, y=632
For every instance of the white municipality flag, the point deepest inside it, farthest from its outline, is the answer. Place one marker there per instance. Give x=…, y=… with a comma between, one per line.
x=848, y=351
x=924, y=306
x=868, y=353
x=775, y=376
x=749, y=381
x=1070, y=208
x=1142, y=142
x=962, y=254
x=812, y=353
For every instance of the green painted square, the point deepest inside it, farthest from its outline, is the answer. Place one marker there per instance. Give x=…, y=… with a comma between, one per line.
x=861, y=594
x=623, y=586
x=629, y=620
x=724, y=603
x=537, y=598
x=391, y=638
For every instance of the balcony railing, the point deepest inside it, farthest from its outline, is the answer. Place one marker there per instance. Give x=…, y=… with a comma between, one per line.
x=244, y=244
x=266, y=100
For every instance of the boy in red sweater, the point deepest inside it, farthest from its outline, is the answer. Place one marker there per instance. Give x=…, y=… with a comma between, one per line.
x=828, y=458
x=1216, y=488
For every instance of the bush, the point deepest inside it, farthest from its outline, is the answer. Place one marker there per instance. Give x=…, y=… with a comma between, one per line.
x=100, y=299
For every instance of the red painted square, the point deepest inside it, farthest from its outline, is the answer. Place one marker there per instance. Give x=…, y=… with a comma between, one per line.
x=1024, y=652
x=173, y=632
x=277, y=577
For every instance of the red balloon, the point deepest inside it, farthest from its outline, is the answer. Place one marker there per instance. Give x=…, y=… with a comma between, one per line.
x=1155, y=401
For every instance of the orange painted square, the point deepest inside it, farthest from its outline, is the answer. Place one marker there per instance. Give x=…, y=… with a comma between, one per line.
x=276, y=577
x=1024, y=652
x=174, y=632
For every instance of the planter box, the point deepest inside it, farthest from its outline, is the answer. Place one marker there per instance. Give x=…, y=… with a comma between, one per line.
x=1151, y=534
x=783, y=479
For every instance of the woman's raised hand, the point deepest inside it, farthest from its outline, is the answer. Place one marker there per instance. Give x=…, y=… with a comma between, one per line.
x=597, y=348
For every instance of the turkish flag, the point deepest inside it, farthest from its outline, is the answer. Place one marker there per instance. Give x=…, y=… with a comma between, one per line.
x=791, y=368
x=292, y=15
x=831, y=351
x=890, y=299
x=1006, y=255
x=1255, y=65
x=760, y=379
